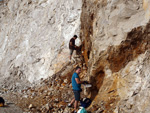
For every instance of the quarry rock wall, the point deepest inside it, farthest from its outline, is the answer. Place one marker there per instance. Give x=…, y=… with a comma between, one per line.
x=115, y=38
x=34, y=36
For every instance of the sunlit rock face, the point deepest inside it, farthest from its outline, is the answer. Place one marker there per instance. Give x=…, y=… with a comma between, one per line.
x=116, y=39
x=34, y=36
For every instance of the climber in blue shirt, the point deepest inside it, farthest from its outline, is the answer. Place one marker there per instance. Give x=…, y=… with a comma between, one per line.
x=76, y=86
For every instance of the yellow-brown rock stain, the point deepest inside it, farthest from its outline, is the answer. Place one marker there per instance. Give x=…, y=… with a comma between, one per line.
x=136, y=43
x=108, y=94
x=145, y=4
x=115, y=58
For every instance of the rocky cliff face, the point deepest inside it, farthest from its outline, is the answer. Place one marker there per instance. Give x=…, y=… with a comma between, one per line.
x=116, y=41
x=35, y=35
x=115, y=35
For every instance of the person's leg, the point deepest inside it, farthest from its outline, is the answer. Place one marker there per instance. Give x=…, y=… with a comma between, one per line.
x=76, y=105
x=77, y=99
x=71, y=52
x=72, y=101
x=76, y=49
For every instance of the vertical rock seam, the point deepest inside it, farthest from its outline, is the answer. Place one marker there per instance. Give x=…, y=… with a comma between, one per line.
x=116, y=58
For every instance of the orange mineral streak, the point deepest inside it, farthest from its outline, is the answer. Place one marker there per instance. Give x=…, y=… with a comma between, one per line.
x=145, y=4
x=106, y=89
x=113, y=99
x=85, y=53
x=137, y=42
x=115, y=58
x=107, y=94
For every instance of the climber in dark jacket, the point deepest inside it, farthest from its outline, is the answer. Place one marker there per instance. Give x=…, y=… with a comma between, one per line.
x=72, y=45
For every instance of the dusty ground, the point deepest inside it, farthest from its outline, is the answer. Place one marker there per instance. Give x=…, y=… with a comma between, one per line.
x=10, y=108
x=50, y=96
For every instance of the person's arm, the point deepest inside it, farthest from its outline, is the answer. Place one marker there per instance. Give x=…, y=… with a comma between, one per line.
x=78, y=81
x=75, y=46
x=72, y=45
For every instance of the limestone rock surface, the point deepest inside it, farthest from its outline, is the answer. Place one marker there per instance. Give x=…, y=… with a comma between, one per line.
x=116, y=41
x=115, y=38
x=34, y=36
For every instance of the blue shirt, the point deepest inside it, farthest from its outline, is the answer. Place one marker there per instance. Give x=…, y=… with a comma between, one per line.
x=75, y=86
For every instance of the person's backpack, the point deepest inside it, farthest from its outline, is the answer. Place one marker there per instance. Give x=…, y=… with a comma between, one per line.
x=2, y=102
x=82, y=110
x=86, y=102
